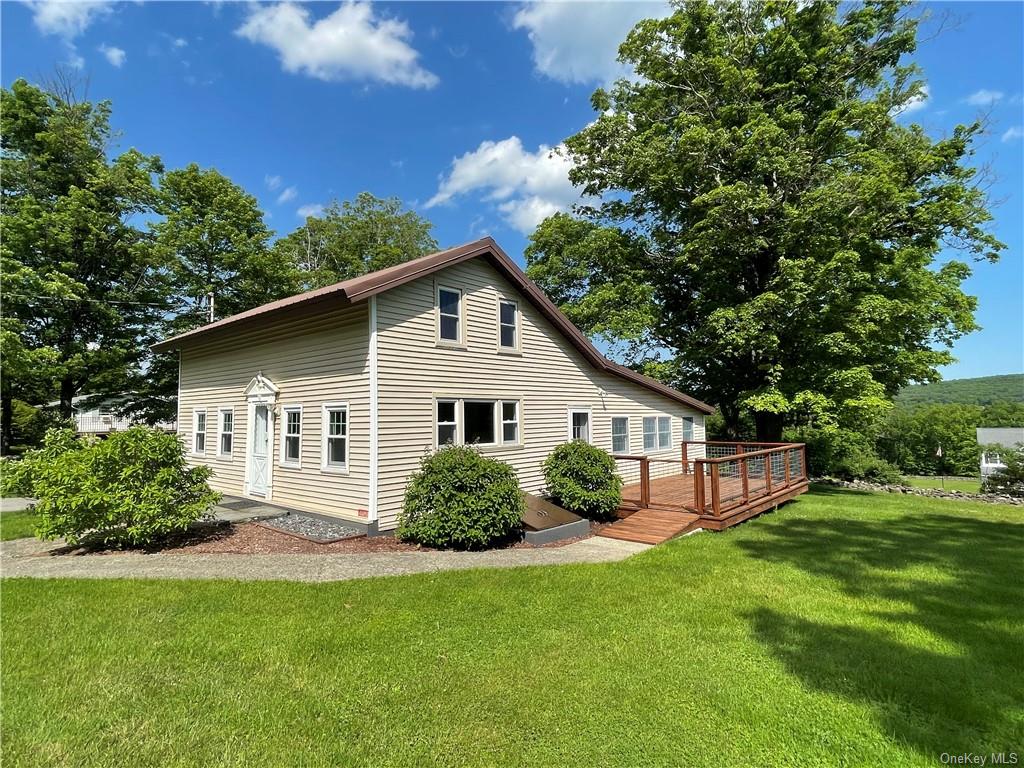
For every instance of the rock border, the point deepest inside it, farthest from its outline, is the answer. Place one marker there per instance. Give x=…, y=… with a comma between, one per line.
x=934, y=493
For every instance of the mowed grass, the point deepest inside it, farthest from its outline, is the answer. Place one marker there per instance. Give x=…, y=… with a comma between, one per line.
x=17, y=525
x=847, y=628
x=965, y=484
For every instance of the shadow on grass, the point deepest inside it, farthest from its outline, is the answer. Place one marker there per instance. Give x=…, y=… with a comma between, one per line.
x=937, y=650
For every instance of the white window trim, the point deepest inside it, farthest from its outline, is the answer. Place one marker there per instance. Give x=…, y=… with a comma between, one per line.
x=629, y=435
x=458, y=421
x=460, y=434
x=590, y=421
x=283, y=459
x=502, y=422
x=340, y=469
x=195, y=431
x=442, y=342
x=220, y=432
x=693, y=428
x=657, y=443
x=517, y=337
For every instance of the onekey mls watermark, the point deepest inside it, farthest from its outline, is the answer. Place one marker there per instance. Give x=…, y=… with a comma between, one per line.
x=972, y=758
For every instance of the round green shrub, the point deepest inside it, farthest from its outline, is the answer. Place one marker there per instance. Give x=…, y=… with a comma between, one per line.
x=18, y=476
x=581, y=477
x=129, y=489
x=462, y=500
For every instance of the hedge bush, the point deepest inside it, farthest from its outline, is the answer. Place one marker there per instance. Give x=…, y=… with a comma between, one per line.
x=18, y=476
x=129, y=489
x=460, y=499
x=581, y=477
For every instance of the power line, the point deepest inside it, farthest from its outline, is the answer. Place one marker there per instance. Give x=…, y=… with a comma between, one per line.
x=58, y=299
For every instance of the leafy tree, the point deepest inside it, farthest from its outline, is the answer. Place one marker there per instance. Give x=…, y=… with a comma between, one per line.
x=211, y=240
x=911, y=438
x=782, y=223
x=354, y=237
x=77, y=277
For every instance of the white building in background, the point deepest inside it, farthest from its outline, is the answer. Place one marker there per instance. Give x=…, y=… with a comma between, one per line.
x=1007, y=438
x=102, y=418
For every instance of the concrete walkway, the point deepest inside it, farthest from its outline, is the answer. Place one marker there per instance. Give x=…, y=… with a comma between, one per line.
x=15, y=504
x=29, y=557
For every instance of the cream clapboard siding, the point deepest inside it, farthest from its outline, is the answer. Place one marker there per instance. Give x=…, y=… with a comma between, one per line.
x=312, y=362
x=548, y=377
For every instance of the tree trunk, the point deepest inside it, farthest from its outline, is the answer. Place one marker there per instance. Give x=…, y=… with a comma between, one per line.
x=67, y=393
x=769, y=427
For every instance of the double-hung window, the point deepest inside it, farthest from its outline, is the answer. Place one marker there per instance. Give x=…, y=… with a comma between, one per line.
x=227, y=431
x=688, y=428
x=199, y=432
x=447, y=425
x=508, y=325
x=510, y=421
x=464, y=421
x=620, y=434
x=335, y=448
x=579, y=424
x=449, y=315
x=657, y=433
x=291, y=442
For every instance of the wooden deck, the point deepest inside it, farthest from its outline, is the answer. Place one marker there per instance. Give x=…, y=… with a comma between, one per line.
x=738, y=482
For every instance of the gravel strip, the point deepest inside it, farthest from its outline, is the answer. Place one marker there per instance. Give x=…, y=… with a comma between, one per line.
x=32, y=558
x=312, y=527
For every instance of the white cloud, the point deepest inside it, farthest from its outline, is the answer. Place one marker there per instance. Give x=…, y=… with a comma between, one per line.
x=179, y=42
x=116, y=56
x=984, y=97
x=579, y=42
x=526, y=186
x=352, y=43
x=1016, y=132
x=272, y=182
x=914, y=104
x=66, y=19
x=289, y=193
x=310, y=209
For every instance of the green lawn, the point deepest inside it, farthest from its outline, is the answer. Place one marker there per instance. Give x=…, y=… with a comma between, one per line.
x=965, y=484
x=17, y=525
x=847, y=628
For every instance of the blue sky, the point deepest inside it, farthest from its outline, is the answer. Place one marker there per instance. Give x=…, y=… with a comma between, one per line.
x=453, y=107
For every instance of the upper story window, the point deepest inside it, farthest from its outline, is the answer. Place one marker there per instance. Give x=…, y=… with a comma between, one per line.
x=199, y=432
x=227, y=431
x=657, y=433
x=335, y=448
x=508, y=324
x=291, y=444
x=449, y=315
x=620, y=434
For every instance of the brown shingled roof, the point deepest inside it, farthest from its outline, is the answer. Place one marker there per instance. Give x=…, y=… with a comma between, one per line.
x=361, y=288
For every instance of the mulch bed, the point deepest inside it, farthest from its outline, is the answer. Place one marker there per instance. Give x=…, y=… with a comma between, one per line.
x=256, y=539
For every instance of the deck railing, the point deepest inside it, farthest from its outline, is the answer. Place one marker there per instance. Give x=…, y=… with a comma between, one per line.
x=713, y=477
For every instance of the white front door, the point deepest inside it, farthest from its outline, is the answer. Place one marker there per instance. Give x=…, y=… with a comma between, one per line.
x=258, y=459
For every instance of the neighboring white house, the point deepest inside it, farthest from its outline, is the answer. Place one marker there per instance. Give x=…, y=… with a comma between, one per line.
x=1008, y=438
x=101, y=418
x=327, y=401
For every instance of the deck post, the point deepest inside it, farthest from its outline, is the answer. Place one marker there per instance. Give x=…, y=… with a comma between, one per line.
x=684, y=457
x=716, y=496
x=803, y=460
x=785, y=462
x=698, y=485
x=645, y=482
x=768, y=474
x=744, y=479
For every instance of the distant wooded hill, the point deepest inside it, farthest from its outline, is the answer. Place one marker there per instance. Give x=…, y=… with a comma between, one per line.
x=980, y=391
